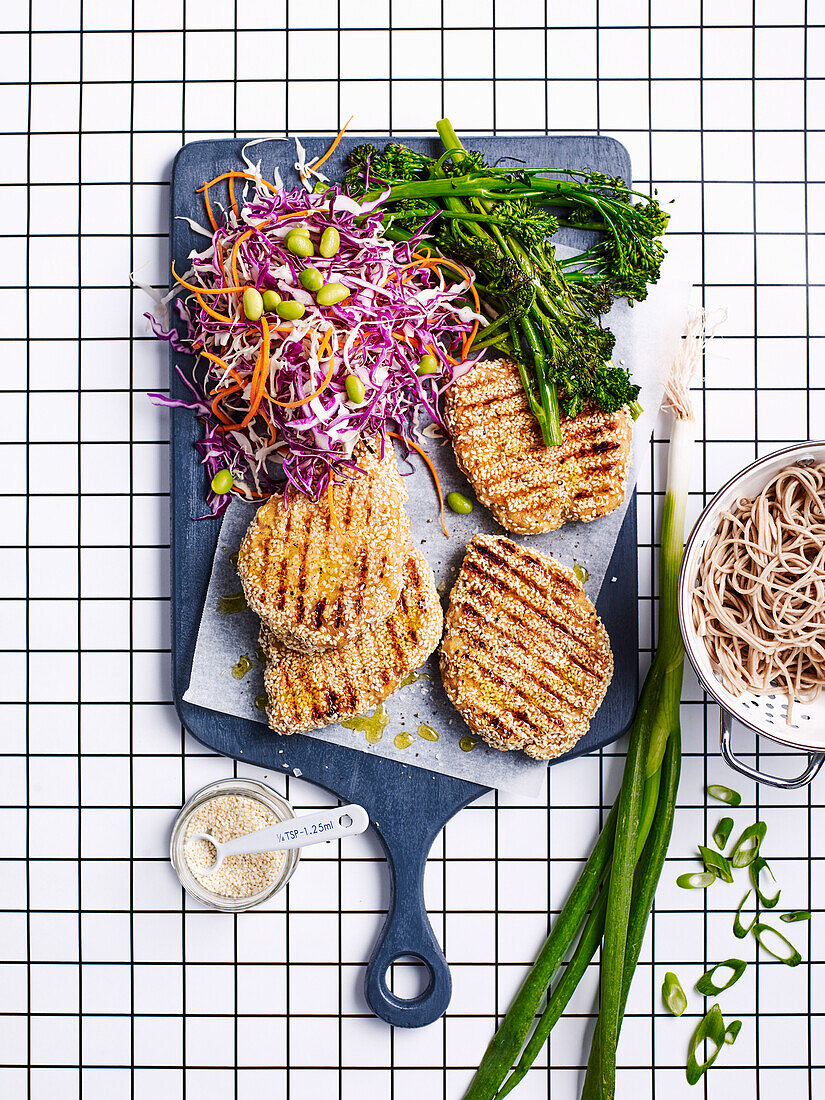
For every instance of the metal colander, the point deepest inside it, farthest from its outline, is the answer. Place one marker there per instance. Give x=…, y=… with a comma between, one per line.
x=765, y=715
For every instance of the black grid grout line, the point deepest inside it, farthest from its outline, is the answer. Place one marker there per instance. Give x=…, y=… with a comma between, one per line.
x=465, y=900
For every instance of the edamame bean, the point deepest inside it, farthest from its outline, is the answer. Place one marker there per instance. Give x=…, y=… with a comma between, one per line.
x=271, y=299
x=332, y=294
x=355, y=388
x=311, y=279
x=300, y=245
x=330, y=242
x=428, y=364
x=299, y=230
x=253, y=303
x=290, y=310
x=459, y=503
x=222, y=482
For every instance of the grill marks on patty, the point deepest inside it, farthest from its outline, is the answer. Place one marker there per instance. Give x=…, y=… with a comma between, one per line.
x=528, y=487
x=525, y=659
x=309, y=691
x=318, y=579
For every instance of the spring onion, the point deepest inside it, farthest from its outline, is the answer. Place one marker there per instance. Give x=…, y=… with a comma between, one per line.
x=757, y=866
x=639, y=826
x=747, y=846
x=733, y=1029
x=673, y=995
x=711, y=1030
x=707, y=984
x=721, y=833
x=792, y=958
x=724, y=794
x=716, y=864
x=699, y=880
x=740, y=930
x=797, y=915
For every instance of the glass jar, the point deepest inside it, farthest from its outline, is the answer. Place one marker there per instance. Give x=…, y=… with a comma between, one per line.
x=246, y=788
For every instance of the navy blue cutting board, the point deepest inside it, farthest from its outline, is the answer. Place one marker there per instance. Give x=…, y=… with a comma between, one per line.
x=408, y=806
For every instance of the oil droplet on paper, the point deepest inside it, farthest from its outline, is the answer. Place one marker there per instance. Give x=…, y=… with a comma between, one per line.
x=232, y=604
x=427, y=732
x=372, y=725
x=467, y=744
x=403, y=740
x=243, y=665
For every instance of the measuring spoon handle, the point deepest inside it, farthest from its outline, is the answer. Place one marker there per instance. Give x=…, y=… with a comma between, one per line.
x=298, y=832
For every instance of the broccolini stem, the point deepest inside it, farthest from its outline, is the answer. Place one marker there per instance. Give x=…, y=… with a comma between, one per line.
x=535, y=406
x=551, y=423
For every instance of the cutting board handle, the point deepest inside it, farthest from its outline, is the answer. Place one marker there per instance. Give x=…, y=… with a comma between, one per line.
x=408, y=934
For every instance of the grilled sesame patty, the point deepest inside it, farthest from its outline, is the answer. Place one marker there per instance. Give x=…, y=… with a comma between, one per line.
x=529, y=487
x=525, y=659
x=318, y=574
x=307, y=692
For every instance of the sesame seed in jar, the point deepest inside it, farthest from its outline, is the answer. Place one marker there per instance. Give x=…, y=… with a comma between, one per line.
x=227, y=817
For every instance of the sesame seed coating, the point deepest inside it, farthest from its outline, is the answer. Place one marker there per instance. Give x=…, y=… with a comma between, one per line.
x=319, y=577
x=308, y=692
x=525, y=659
x=529, y=487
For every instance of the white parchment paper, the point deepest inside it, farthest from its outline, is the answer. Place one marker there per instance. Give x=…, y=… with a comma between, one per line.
x=646, y=338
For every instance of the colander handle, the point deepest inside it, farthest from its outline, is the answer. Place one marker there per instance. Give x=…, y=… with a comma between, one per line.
x=815, y=762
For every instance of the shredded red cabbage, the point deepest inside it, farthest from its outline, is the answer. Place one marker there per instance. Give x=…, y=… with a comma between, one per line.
x=401, y=306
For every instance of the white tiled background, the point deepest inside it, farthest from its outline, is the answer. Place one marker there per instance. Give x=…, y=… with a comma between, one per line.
x=127, y=990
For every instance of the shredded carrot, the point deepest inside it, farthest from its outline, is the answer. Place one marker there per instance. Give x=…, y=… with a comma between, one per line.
x=273, y=430
x=203, y=290
x=462, y=271
x=218, y=316
x=233, y=261
x=301, y=213
x=222, y=393
x=426, y=457
x=259, y=375
x=222, y=363
x=234, y=175
x=209, y=213
x=317, y=164
x=220, y=259
x=324, y=384
x=233, y=201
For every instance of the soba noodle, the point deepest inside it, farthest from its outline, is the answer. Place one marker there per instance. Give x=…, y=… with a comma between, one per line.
x=759, y=603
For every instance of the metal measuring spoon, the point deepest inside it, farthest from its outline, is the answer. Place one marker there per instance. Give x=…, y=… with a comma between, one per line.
x=295, y=832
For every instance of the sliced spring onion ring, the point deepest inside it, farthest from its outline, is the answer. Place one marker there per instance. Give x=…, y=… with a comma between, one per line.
x=739, y=929
x=792, y=959
x=711, y=1029
x=757, y=866
x=734, y=1027
x=673, y=995
x=796, y=915
x=747, y=846
x=698, y=880
x=716, y=864
x=724, y=794
x=722, y=832
x=708, y=987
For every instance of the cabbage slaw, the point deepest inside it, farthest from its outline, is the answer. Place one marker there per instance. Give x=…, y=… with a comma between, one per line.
x=271, y=393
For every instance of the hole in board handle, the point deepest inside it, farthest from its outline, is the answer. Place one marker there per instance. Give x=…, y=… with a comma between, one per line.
x=345, y=821
x=409, y=978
